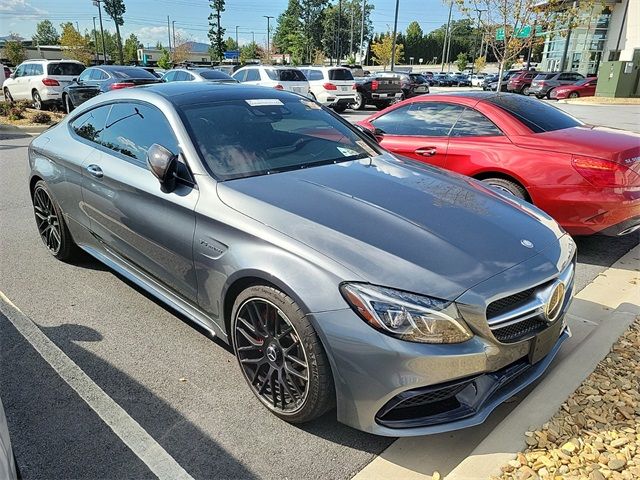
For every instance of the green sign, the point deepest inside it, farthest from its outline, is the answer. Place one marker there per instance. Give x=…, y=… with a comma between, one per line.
x=523, y=32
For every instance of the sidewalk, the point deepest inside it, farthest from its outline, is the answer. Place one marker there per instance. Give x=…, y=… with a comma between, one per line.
x=600, y=313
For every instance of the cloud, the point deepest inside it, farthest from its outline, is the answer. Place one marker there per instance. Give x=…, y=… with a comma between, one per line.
x=20, y=9
x=153, y=35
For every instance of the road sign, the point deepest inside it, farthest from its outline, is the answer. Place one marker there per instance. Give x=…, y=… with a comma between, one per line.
x=231, y=54
x=523, y=32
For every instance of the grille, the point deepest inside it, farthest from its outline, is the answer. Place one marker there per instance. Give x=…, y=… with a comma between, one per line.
x=518, y=330
x=503, y=304
x=432, y=397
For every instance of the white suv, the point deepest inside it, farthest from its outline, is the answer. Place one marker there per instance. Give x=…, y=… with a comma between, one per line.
x=331, y=86
x=41, y=81
x=280, y=78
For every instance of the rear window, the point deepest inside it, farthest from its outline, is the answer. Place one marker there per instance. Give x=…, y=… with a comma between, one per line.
x=65, y=68
x=545, y=76
x=125, y=72
x=214, y=75
x=286, y=75
x=418, y=79
x=536, y=115
x=340, y=74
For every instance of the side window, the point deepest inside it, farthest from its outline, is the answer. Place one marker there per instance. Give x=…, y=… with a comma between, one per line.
x=240, y=75
x=315, y=75
x=99, y=76
x=131, y=128
x=86, y=75
x=188, y=77
x=28, y=68
x=19, y=71
x=565, y=76
x=429, y=119
x=181, y=76
x=474, y=124
x=252, y=75
x=37, y=69
x=170, y=77
x=90, y=125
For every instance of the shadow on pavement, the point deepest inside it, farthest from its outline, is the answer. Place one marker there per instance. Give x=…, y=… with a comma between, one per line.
x=604, y=251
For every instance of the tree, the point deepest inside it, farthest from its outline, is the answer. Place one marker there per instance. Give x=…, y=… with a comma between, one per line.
x=414, y=41
x=159, y=45
x=461, y=61
x=181, y=49
x=510, y=25
x=312, y=18
x=131, y=46
x=74, y=45
x=250, y=52
x=46, y=34
x=382, y=50
x=216, y=32
x=110, y=42
x=289, y=34
x=480, y=64
x=230, y=44
x=332, y=34
x=14, y=49
x=165, y=59
x=115, y=9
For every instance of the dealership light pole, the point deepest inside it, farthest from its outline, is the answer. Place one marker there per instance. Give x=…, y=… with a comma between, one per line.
x=104, y=49
x=268, y=33
x=446, y=35
x=395, y=31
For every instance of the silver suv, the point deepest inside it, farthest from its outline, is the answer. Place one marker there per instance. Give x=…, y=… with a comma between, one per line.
x=543, y=83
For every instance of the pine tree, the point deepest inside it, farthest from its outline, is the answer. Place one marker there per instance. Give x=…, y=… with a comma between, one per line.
x=216, y=32
x=115, y=9
x=46, y=34
x=74, y=45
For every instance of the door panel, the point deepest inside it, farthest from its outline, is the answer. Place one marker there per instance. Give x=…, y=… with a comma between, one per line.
x=431, y=150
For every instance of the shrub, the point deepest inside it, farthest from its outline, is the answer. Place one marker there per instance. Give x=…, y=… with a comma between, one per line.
x=23, y=104
x=41, y=117
x=15, y=113
x=5, y=108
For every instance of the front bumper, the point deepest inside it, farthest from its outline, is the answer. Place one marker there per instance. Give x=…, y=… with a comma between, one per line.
x=374, y=372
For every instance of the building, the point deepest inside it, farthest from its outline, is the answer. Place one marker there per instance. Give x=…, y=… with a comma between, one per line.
x=608, y=30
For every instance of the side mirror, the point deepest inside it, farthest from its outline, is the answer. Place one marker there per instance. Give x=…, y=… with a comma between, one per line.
x=371, y=135
x=13, y=75
x=163, y=165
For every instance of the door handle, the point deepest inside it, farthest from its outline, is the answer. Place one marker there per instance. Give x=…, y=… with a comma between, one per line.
x=95, y=170
x=426, y=152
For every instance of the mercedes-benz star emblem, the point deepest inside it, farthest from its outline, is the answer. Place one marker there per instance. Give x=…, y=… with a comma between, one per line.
x=526, y=243
x=554, y=305
x=271, y=353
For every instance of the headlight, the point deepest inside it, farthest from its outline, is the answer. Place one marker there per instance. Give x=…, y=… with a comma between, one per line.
x=407, y=316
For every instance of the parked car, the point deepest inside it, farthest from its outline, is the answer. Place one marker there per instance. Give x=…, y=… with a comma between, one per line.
x=461, y=80
x=543, y=83
x=339, y=274
x=333, y=87
x=493, y=86
x=5, y=72
x=8, y=467
x=156, y=72
x=380, y=89
x=520, y=82
x=488, y=80
x=41, y=81
x=477, y=79
x=96, y=80
x=356, y=70
x=582, y=88
x=281, y=78
x=442, y=80
x=197, y=75
x=587, y=178
x=412, y=84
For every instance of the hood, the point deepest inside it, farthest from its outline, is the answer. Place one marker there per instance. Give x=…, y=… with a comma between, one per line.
x=618, y=146
x=398, y=224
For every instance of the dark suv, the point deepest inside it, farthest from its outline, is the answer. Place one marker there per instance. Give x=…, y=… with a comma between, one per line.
x=543, y=83
x=521, y=81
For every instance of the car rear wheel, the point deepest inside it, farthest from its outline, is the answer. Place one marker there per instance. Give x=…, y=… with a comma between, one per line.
x=68, y=106
x=7, y=96
x=507, y=186
x=359, y=103
x=280, y=355
x=37, y=100
x=574, y=95
x=339, y=108
x=539, y=97
x=525, y=90
x=51, y=225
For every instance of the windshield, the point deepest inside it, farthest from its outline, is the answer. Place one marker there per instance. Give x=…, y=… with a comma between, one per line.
x=213, y=75
x=286, y=75
x=579, y=83
x=250, y=137
x=536, y=115
x=65, y=68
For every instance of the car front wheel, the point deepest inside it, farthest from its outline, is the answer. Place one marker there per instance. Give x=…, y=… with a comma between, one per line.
x=525, y=91
x=574, y=95
x=280, y=355
x=507, y=186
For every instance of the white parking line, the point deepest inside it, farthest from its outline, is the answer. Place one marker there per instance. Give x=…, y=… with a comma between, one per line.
x=130, y=432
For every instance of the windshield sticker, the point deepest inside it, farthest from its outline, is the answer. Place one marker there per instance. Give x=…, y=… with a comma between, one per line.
x=347, y=152
x=262, y=102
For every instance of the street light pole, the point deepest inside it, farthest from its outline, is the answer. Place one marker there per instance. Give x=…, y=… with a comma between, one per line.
x=395, y=31
x=446, y=35
x=364, y=4
x=173, y=31
x=338, y=37
x=95, y=40
x=268, y=33
x=104, y=49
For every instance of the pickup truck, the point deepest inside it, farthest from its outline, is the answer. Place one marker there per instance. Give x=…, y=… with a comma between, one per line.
x=380, y=89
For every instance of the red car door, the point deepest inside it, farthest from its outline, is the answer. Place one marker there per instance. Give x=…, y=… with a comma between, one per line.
x=419, y=130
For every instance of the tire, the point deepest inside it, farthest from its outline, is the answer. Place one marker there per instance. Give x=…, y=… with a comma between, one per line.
x=7, y=96
x=548, y=95
x=382, y=106
x=264, y=355
x=339, y=108
x=539, y=97
x=359, y=104
x=525, y=90
x=68, y=105
x=51, y=225
x=37, y=100
x=507, y=186
x=574, y=95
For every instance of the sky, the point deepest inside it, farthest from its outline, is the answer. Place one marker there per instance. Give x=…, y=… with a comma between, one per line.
x=148, y=18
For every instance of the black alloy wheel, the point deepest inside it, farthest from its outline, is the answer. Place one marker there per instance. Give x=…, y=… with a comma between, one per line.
x=47, y=220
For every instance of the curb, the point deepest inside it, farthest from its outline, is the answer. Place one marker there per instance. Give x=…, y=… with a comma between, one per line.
x=31, y=129
x=599, y=315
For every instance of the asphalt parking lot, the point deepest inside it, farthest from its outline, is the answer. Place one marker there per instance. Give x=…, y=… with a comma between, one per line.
x=183, y=387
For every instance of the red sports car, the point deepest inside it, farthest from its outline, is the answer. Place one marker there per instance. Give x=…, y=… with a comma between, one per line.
x=586, y=177
x=583, y=88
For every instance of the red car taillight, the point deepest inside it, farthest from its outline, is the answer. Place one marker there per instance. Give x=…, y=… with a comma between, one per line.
x=603, y=173
x=329, y=86
x=374, y=84
x=353, y=87
x=279, y=87
x=119, y=85
x=50, y=82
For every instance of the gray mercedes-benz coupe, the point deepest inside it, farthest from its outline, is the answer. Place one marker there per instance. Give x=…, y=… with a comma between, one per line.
x=412, y=299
